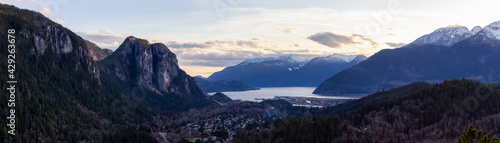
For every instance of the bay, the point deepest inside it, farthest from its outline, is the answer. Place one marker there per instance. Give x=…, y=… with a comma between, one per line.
x=271, y=92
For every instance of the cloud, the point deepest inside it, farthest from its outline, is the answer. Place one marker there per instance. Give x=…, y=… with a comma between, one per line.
x=288, y=30
x=104, y=38
x=59, y=21
x=337, y=41
x=363, y=37
x=331, y=39
x=176, y=44
x=223, y=53
x=395, y=45
x=457, y=24
x=296, y=45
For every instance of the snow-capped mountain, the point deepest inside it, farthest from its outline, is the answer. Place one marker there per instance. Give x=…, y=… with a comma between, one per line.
x=336, y=58
x=492, y=31
x=476, y=29
x=289, y=58
x=289, y=70
x=445, y=36
x=290, y=62
x=447, y=53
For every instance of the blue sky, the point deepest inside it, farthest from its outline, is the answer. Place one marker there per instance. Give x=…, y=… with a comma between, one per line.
x=208, y=35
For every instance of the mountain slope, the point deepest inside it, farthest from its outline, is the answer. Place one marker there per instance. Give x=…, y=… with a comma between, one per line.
x=321, y=68
x=445, y=36
x=261, y=72
x=472, y=57
x=57, y=82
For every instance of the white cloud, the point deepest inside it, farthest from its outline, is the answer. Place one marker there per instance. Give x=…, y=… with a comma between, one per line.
x=288, y=30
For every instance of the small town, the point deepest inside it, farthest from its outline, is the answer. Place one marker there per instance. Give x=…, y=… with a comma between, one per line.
x=312, y=101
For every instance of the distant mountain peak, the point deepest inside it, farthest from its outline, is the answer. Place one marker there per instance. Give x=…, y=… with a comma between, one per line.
x=337, y=58
x=445, y=36
x=476, y=29
x=290, y=58
x=492, y=30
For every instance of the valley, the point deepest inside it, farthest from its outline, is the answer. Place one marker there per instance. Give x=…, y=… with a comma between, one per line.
x=71, y=87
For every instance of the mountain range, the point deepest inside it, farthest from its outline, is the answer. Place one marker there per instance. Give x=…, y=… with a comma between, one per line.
x=289, y=70
x=446, y=53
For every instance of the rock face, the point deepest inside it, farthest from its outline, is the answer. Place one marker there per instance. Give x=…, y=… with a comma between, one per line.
x=56, y=39
x=151, y=66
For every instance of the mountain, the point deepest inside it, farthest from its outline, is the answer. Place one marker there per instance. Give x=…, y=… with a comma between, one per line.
x=321, y=68
x=431, y=61
x=63, y=95
x=288, y=70
x=96, y=52
x=445, y=36
x=419, y=112
x=223, y=85
x=151, y=66
x=220, y=98
x=261, y=72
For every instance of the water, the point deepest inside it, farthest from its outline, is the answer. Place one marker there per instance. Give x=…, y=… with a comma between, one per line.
x=271, y=92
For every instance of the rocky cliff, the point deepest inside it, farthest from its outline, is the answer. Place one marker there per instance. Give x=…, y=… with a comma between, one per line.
x=54, y=38
x=151, y=66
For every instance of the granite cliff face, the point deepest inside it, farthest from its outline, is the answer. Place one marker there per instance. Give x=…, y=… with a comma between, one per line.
x=151, y=66
x=61, y=43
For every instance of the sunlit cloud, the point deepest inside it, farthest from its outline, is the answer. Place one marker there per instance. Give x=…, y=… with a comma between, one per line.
x=457, y=24
x=288, y=30
x=222, y=53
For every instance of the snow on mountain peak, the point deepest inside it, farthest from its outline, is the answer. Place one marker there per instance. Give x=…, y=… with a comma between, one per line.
x=446, y=36
x=336, y=58
x=492, y=30
x=476, y=29
x=290, y=58
x=294, y=58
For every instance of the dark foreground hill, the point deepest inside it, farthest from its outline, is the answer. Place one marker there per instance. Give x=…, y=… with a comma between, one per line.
x=418, y=112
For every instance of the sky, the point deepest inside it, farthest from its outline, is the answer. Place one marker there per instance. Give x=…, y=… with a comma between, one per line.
x=208, y=35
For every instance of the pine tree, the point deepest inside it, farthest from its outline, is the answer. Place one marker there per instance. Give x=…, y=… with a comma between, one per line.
x=471, y=135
